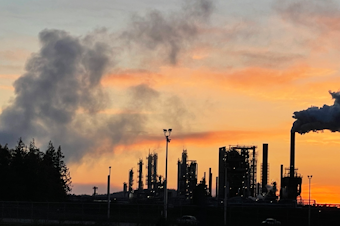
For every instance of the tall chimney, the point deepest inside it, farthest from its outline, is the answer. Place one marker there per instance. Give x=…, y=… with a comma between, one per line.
x=217, y=187
x=131, y=181
x=292, y=154
x=265, y=168
x=140, y=174
x=210, y=181
x=281, y=178
x=125, y=189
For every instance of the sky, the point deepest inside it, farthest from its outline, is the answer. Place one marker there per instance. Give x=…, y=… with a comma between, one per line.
x=104, y=78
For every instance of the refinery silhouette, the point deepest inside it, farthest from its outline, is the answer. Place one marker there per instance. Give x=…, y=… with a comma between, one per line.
x=239, y=199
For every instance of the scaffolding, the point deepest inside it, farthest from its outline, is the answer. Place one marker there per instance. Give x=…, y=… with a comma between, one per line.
x=187, y=176
x=240, y=166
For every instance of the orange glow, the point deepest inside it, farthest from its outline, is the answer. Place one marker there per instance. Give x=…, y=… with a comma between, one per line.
x=321, y=194
x=7, y=87
x=238, y=79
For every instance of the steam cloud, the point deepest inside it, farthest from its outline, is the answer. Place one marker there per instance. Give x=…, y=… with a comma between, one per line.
x=169, y=35
x=314, y=118
x=60, y=95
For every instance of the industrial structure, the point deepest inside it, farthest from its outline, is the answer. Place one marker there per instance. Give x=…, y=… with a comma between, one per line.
x=152, y=177
x=130, y=181
x=140, y=175
x=265, y=170
x=187, y=176
x=237, y=171
x=237, y=177
x=210, y=183
x=153, y=181
x=291, y=181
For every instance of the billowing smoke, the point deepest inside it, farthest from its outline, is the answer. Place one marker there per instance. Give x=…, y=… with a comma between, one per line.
x=60, y=97
x=314, y=118
x=169, y=35
x=62, y=79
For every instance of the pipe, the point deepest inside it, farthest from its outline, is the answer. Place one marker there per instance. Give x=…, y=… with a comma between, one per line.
x=292, y=154
x=281, y=176
x=210, y=181
x=265, y=168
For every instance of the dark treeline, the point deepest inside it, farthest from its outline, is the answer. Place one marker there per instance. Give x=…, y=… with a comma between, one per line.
x=27, y=174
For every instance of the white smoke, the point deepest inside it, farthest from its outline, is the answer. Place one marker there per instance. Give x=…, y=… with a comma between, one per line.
x=59, y=96
x=315, y=118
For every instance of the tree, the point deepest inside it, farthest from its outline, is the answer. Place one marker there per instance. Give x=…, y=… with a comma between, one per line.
x=17, y=168
x=33, y=173
x=27, y=174
x=65, y=176
x=5, y=174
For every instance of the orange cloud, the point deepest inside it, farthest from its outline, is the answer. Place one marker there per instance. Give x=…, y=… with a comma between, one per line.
x=203, y=139
x=268, y=77
x=7, y=87
x=293, y=83
x=321, y=194
x=15, y=55
x=9, y=76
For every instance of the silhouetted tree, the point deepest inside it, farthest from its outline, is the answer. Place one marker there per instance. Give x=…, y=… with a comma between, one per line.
x=27, y=174
x=5, y=174
x=65, y=177
x=17, y=167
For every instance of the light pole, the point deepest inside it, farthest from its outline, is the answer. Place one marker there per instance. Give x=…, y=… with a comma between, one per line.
x=225, y=195
x=167, y=135
x=108, y=194
x=309, y=179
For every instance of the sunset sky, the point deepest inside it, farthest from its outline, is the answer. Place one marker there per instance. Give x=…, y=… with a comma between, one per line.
x=104, y=78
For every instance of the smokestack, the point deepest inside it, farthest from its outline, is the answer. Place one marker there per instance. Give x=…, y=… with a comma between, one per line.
x=281, y=178
x=130, y=181
x=150, y=168
x=125, y=189
x=265, y=168
x=216, y=187
x=179, y=176
x=140, y=174
x=154, y=173
x=292, y=153
x=210, y=181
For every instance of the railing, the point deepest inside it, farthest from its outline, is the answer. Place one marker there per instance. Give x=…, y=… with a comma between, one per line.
x=305, y=202
x=328, y=205
x=149, y=214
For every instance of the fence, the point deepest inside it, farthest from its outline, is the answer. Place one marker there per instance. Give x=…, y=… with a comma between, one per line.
x=150, y=214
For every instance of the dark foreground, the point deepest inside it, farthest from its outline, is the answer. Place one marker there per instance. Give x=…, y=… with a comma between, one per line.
x=20, y=213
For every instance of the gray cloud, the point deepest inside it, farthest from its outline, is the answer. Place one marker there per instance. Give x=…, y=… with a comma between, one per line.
x=169, y=35
x=60, y=97
x=318, y=15
x=314, y=118
x=268, y=58
x=61, y=79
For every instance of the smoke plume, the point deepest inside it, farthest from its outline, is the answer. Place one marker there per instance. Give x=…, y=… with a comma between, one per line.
x=314, y=118
x=62, y=79
x=60, y=97
x=169, y=35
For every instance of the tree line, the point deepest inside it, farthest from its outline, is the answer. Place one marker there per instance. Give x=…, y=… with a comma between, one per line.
x=27, y=174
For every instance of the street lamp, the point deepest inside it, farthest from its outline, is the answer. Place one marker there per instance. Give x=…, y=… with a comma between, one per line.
x=108, y=194
x=167, y=135
x=309, y=179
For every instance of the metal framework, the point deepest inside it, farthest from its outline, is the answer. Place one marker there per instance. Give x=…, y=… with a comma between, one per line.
x=241, y=164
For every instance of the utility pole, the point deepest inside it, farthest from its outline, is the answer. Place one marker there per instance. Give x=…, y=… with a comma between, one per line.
x=166, y=174
x=108, y=194
x=225, y=196
x=309, y=179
